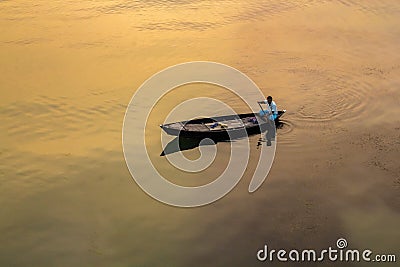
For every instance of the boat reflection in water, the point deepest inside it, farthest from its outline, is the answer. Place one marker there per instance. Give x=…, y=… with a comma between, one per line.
x=186, y=143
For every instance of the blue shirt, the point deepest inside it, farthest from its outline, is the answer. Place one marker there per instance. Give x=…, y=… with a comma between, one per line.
x=273, y=107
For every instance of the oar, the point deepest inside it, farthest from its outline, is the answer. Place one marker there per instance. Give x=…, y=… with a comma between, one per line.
x=261, y=107
x=264, y=111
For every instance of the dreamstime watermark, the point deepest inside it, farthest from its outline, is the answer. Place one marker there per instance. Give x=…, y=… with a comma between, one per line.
x=338, y=253
x=134, y=144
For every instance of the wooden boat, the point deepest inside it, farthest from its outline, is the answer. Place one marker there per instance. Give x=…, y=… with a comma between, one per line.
x=222, y=127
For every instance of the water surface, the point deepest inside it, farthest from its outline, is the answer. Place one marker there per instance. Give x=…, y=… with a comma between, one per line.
x=70, y=68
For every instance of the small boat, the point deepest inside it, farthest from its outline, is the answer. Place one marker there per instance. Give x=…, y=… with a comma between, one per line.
x=222, y=127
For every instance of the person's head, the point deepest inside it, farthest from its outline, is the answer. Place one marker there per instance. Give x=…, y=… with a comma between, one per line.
x=269, y=99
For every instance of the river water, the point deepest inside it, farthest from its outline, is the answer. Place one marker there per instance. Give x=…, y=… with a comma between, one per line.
x=70, y=68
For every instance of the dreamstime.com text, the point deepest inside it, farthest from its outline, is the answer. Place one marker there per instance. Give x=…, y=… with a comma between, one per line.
x=339, y=253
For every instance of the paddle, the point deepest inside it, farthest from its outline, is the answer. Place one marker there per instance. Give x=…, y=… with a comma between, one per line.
x=261, y=107
x=264, y=111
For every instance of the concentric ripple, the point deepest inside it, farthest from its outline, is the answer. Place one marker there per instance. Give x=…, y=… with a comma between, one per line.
x=342, y=96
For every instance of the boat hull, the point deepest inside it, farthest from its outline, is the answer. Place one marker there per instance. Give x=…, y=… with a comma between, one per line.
x=198, y=128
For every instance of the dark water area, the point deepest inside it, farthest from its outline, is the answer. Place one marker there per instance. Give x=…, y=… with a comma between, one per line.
x=69, y=70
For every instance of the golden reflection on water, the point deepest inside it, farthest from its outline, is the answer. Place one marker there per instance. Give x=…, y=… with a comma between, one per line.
x=68, y=70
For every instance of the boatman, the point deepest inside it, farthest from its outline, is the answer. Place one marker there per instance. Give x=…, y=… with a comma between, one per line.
x=273, y=114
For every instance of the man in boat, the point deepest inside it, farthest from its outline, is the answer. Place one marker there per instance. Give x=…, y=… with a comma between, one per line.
x=273, y=114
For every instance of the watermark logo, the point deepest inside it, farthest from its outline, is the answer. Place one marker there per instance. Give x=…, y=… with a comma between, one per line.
x=341, y=243
x=340, y=253
x=134, y=143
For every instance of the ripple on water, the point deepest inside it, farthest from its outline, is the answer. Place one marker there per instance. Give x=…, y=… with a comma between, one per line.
x=223, y=12
x=373, y=7
x=335, y=96
x=285, y=127
x=286, y=133
x=47, y=118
